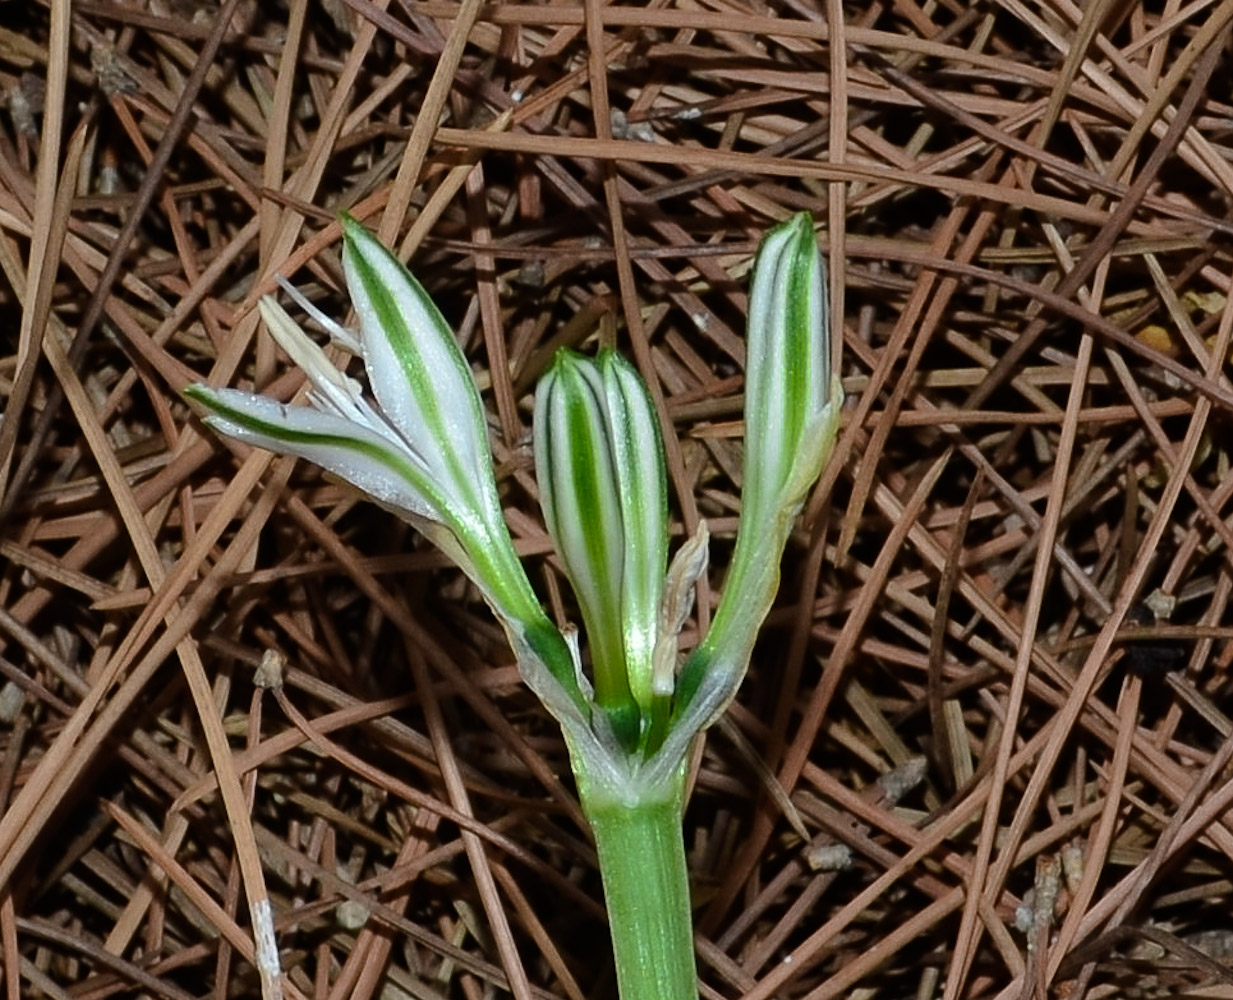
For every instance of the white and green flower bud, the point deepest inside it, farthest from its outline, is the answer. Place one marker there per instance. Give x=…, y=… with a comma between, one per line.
x=792, y=404
x=790, y=399
x=600, y=465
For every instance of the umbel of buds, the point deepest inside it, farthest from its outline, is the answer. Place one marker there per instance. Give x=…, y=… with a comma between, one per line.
x=421, y=450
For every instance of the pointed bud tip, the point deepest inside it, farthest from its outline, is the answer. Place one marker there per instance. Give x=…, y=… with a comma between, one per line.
x=355, y=233
x=801, y=221
x=567, y=357
x=199, y=393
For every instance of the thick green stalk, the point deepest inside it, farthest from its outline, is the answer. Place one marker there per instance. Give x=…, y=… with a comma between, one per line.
x=646, y=889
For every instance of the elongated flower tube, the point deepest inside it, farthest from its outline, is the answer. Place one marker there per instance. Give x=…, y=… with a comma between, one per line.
x=600, y=465
x=792, y=405
x=422, y=451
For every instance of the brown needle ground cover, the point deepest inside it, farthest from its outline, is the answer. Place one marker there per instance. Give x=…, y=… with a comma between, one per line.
x=981, y=751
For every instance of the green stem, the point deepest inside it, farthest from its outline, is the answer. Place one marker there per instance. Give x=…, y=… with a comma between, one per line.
x=646, y=889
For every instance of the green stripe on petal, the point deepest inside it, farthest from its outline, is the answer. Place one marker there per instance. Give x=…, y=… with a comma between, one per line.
x=417, y=371
x=358, y=455
x=582, y=508
x=791, y=421
x=787, y=365
x=638, y=456
x=600, y=463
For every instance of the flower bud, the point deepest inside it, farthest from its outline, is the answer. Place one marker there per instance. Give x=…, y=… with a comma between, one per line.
x=600, y=465
x=792, y=407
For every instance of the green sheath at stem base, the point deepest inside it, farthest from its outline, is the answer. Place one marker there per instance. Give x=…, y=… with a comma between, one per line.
x=646, y=888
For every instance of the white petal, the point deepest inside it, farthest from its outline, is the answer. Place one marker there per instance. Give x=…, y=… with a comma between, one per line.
x=788, y=360
x=638, y=456
x=370, y=462
x=417, y=371
x=579, y=496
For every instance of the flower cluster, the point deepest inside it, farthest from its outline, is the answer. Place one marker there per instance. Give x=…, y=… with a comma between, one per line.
x=422, y=451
